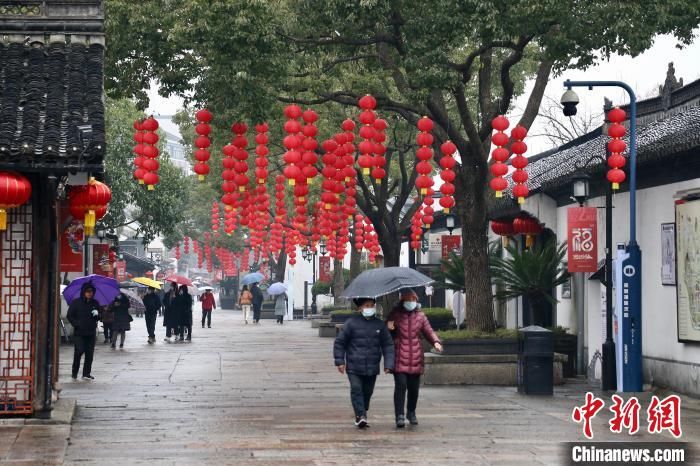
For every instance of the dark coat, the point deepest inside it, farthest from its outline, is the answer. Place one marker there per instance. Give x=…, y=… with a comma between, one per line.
x=152, y=302
x=122, y=319
x=81, y=317
x=169, y=314
x=257, y=296
x=410, y=325
x=182, y=310
x=361, y=344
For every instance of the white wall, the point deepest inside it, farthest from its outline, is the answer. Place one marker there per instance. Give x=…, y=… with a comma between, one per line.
x=666, y=361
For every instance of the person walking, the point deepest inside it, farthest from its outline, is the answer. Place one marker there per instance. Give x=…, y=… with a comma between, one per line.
x=257, y=302
x=122, y=319
x=107, y=318
x=183, y=311
x=208, y=305
x=169, y=314
x=83, y=313
x=407, y=323
x=358, y=350
x=152, y=304
x=281, y=307
x=245, y=300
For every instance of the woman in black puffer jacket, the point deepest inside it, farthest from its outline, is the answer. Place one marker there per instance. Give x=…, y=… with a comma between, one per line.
x=358, y=349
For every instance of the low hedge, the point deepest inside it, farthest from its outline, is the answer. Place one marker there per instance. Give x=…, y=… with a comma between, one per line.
x=473, y=334
x=437, y=313
x=343, y=312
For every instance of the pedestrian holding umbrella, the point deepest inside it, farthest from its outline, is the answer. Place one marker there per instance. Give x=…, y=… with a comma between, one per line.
x=106, y=289
x=135, y=303
x=148, y=282
x=277, y=288
x=379, y=282
x=179, y=279
x=255, y=277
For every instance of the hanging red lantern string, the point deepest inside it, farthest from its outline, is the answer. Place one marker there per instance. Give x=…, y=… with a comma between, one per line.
x=309, y=145
x=230, y=222
x=359, y=232
x=520, y=190
x=89, y=202
x=150, y=152
x=616, y=147
x=528, y=226
x=186, y=245
x=428, y=211
x=379, y=170
x=240, y=143
x=328, y=196
x=424, y=155
x=261, y=150
x=139, y=171
x=367, y=132
x=500, y=154
x=416, y=231
x=447, y=162
x=202, y=143
x=215, y=217
x=200, y=254
x=348, y=141
x=15, y=190
x=292, y=142
x=177, y=251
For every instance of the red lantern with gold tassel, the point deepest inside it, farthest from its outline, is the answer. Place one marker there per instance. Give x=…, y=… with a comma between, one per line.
x=15, y=190
x=366, y=147
x=520, y=176
x=150, y=153
x=262, y=151
x=292, y=142
x=503, y=228
x=448, y=163
x=424, y=155
x=528, y=226
x=89, y=202
x=616, y=147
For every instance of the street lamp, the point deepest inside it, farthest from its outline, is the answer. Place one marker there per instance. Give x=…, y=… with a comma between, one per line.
x=628, y=267
x=100, y=232
x=323, y=248
x=581, y=190
x=450, y=222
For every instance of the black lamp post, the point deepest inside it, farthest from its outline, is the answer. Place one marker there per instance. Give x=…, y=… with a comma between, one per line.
x=450, y=222
x=322, y=246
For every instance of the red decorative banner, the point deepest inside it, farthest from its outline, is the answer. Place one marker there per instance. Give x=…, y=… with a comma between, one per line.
x=324, y=267
x=71, y=242
x=100, y=260
x=120, y=271
x=582, y=239
x=450, y=244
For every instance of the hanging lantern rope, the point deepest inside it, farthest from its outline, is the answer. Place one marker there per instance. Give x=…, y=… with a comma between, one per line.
x=202, y=143
x=616, y=147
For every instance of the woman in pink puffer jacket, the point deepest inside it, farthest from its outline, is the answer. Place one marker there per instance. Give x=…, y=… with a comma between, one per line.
x=407, y=323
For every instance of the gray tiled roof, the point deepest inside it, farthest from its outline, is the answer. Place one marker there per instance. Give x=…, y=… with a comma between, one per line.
x=46, y=93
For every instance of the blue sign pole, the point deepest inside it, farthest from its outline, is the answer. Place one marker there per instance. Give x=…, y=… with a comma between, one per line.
x=629, y=268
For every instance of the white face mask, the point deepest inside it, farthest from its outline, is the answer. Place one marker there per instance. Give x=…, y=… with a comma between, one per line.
x=369, y=311
x=410, y=305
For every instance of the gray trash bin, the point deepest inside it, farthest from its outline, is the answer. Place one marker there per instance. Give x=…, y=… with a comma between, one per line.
x=535, y=375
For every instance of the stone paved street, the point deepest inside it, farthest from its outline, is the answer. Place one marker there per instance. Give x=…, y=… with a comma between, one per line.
x=269, y=394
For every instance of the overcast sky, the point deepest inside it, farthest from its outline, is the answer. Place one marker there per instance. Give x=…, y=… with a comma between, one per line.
x=643, y=73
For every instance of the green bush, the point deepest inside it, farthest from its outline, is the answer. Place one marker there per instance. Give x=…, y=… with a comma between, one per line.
x=343, y=312
x=473, y=334
x=437, y=313
x=559, y=330
x=321, y=288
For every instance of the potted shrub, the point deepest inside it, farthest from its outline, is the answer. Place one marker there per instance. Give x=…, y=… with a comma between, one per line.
x=460, y=342
x=440, y=318
x=339, y=316
x=531, y=274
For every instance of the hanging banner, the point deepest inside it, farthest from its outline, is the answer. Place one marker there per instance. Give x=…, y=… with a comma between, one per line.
x=120, y=271
x=324, y=266
x=100, y=260
x=71, y=243
x=582, y=239
x=450, y=244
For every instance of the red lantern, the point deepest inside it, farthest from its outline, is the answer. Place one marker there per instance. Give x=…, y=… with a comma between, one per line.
x=500, y=155
x=89, y=202
x=520, y=176
x=616, y=147
x=15, y=190
x=528, y=226
x=368, y=117
x=424, y=181
x=447, y=162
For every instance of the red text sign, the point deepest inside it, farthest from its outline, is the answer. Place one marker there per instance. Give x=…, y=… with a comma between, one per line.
x=450, y=244
x=324, y=266
x=582, y=239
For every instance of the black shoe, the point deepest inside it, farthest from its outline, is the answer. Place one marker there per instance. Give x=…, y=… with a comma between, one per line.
x=209, y=326
x=121, y=346
x=88, y=377
x=412, y=418
x=362, y=423
x=400, y=421
x=74, y=376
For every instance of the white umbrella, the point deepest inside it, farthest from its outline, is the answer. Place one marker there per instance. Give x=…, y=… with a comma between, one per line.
x=277, y=288
x=459, y=309
x=205, y=288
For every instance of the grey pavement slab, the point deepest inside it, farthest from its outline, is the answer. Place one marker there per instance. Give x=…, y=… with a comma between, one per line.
x=269, y=394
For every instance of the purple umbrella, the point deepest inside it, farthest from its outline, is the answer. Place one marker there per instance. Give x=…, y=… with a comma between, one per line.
x=106, y=289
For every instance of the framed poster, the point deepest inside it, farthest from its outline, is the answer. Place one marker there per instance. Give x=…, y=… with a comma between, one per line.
x=688, y=270
x=668, y=253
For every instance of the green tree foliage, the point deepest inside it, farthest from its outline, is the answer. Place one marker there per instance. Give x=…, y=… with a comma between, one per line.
x=149, y=213
x=461, y=63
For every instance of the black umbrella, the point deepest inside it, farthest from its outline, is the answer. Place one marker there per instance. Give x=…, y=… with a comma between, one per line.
x=379, y=282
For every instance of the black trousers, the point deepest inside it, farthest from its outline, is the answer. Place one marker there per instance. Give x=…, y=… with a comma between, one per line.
x=151, y=323
x=206, y=315
x=256, y=313
x=84, y=344
x=405, y=383
x=107, y=331
x=361, y=389
x=181, y=330
x=280, y=319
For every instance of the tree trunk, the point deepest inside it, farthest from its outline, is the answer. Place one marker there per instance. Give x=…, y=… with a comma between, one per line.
x=471, y=208
x=391, y=249
x=338, y=280
x=355, y=259
x=280, y=266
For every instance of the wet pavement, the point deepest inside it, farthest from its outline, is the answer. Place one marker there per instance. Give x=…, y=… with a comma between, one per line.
x=269, y=394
